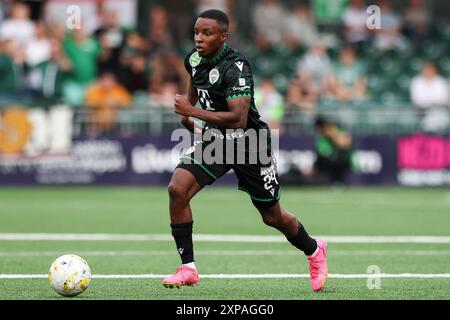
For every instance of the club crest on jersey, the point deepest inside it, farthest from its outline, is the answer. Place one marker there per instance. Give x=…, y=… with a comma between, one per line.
x=214, y=75
x=195, y=59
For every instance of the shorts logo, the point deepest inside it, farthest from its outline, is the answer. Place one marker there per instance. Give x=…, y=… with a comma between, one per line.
x=194, y=71
x=241, y=81
x=214, y=75
x=195, y=60
x=240, y=65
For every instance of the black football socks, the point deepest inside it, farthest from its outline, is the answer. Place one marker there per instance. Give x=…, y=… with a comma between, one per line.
x=303, y=241
x=182, y=234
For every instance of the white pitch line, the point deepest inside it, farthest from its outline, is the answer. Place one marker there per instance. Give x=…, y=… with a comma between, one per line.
x=149, y=253
x=244, y=276
x=214, y=238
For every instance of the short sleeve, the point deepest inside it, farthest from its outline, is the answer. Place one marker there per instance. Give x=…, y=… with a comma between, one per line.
x=187, y=65
x=238, y=80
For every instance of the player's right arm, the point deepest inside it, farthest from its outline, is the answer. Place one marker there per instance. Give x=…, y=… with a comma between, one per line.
x=193, y=98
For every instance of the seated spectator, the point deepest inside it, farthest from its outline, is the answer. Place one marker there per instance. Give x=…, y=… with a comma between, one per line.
x=112, y=38
x=417, y=21
x=38, y=48
x=429, y=89
x=301, y=28
x=270, y=104
x=49, y=75
x=312, y=79
x=105, y=98
x=134, y=45
x=269, y=20
x=348, y=81
x=135, y=75
x=82, y=51
x=354, y=22
x=430, y=93
x=388, y=36
x=160, y=37
x=168, y=67
x=11, y=70
x=18, y=27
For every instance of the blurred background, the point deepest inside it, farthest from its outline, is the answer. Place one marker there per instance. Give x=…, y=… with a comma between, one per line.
x=94, y=105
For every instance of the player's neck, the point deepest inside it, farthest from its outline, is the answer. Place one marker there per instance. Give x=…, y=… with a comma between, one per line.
x=216, y=53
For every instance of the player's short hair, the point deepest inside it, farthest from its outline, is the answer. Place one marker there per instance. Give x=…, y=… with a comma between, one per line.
x=218, y=15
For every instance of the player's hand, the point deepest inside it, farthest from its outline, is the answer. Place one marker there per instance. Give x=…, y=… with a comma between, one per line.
x=183, y=106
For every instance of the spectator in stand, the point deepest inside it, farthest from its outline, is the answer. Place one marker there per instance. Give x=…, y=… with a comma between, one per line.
x=112, y=38
x=354, y=22
x=83, y=52
x=105, y=98
x=270, y=104
x=160, y=37
x=136, y=75
x=389, y=35
x=37, y=50
x=11, y=71
x=430, y=94
x=134, y=45
x=429, y=89
x=269, y=22
x=168, y=67
x=51, y=73
x=417, y=21
x=312, y=79
x=348, y=81
x=19, y=26
x=301, y=29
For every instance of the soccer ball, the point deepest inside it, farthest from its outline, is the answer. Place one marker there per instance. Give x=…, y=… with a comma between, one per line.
x=69, y=275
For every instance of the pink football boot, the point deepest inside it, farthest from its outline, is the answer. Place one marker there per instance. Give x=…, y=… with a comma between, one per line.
x=184, y=276
x=318, y=269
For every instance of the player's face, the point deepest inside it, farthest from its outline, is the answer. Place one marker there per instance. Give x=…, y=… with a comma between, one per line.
x=208, y=37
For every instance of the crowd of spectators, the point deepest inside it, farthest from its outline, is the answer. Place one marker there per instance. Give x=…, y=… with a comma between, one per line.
x=105, y=69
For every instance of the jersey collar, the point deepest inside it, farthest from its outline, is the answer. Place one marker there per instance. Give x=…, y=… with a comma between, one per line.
x=219, y=56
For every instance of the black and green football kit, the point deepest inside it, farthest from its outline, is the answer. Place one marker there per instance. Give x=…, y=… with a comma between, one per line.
x=225, y=77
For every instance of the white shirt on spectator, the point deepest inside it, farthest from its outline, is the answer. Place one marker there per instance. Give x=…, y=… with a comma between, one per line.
x=355, y=19
x=37, y=51
x=18, y=30
x=427, y=93
x=269, y=20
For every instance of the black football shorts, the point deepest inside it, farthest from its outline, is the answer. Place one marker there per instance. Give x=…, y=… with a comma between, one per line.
x=259, y=181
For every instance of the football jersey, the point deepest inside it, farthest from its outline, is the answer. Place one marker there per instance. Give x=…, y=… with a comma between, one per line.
x=225, y=77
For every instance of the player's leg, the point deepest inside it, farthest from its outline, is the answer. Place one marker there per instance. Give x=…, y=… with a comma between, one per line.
x=261, y=183
x=187, y=180
x=182, y=187
x=316, y=250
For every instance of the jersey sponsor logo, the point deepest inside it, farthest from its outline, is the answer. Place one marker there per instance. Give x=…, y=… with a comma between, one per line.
x=240, y=65
x=214, y=75
x=195, y=59
x=241, y=81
